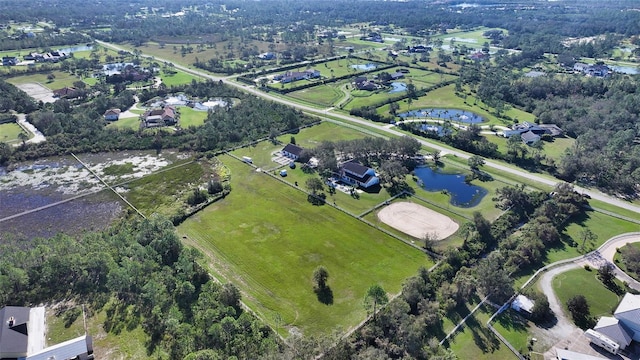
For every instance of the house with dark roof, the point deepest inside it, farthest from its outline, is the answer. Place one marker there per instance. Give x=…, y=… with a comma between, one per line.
x=66, y=92
x=362, y=83
x=22, y=336
x=356, y=174
x=112, y=114
x=166, y=116
x=397, y=75
x=530, y=137
x=267, y=56
x=9, y=60
x=292, y=151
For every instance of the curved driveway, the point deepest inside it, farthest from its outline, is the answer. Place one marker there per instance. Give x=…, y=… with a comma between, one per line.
x=595, y=259
x=508, y=169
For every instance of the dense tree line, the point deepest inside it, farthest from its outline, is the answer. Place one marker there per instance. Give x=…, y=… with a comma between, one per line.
x=140, y=264
x=82, y=128
x=44, y=40
x=15, y=99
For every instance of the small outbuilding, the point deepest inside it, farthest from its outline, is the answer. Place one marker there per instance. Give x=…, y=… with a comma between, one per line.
x=522, y=304
x=283, y=173
x=112, y=115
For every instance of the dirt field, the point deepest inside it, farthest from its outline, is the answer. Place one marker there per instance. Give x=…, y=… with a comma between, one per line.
x=417, y=220
x=38, y=92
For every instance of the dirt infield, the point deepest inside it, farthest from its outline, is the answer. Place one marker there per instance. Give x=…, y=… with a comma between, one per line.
x=417, y=220
x=37, y=91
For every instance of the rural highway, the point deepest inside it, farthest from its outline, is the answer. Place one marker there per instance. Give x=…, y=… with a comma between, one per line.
x=594, y=194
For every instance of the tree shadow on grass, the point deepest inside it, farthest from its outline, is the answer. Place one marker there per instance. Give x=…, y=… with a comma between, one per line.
x=324, y=294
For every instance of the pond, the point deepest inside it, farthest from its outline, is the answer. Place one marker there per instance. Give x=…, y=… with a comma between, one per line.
x=461, y=193
x=630, y=70
x=397, y=87
x=446, y=114
x=364, y=67
x=75, y=49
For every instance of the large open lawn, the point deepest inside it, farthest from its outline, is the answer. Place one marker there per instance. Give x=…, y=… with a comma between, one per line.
x=325, y=95
x=266, y=238
x=601, y=300
x=9, y=133
x=190, y=117
x=61, y=79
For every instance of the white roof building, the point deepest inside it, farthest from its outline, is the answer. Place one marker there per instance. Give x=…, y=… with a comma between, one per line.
x=522, y=303
x=615, y=330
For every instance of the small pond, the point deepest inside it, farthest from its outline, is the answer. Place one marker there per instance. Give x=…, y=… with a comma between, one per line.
x=364, y=67
x=397, y=87
x=630, y=70
x=75, y=49
x=461, y=193
x=445, y=114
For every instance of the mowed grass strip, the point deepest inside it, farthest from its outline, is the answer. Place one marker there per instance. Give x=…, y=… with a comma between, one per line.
x=267, y=239
x=9, y=132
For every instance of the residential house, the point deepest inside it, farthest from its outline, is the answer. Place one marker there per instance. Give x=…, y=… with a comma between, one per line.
x=419, y=49
x=624, y=326
x=112, y=115
x=397, y=75
x=9, y=60
x=292, y=151
x=160, y=117
x=479, y=56
x=267, y=56
x=356, y=174
x=361, y=83
x=530, y=137
x=582, y=67
x=291, y=76
x=599, y=70
x=22, y=336
x=66, y=92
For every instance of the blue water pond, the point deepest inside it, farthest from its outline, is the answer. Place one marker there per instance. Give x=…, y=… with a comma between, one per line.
x=446, y=114
x=462, y=194
x=364, y=67
x=398, y=87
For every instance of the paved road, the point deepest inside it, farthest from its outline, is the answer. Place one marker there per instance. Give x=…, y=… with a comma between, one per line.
x=37, y=135
x=594, y=194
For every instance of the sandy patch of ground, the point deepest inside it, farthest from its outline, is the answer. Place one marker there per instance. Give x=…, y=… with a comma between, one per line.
x=37, y=91
x=417, y=221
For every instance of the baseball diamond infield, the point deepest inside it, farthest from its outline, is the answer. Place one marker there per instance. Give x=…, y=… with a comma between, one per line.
x=417, y=220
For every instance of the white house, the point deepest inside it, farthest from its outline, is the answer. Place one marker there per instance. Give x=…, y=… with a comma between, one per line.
x=354, y=173
x=624, y=326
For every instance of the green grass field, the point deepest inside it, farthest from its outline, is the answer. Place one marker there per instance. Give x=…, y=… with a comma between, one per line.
x=190, y=117
x=476, y=341
x=265, y=238
x=61, y=79
x=601, y=300
x=179, y=78
x=325, y=95
x=9, y=133
x=126, y=123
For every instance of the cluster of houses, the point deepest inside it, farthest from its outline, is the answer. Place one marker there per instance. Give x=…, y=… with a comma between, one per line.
x=598, y=70
x=350, y=172
x=373, y=36
x=53, y=56
x=165, y=116
x=291, y=76
x=22, y=336
x=532, y=133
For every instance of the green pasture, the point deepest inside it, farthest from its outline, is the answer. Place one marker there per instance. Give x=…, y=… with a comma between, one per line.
x=9, y=133
x=362, y=98
x=265, y=238
x=325, y=95
x=190, y=117
x=62, y=79
x=518, y=330
x=179, y=78
x=554, y=149
x=601, y=300
x=475, y=341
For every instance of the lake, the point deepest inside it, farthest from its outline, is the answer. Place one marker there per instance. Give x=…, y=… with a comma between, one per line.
x=461, y=194
x=445, y=114
x=630, y=70
x=75, y=49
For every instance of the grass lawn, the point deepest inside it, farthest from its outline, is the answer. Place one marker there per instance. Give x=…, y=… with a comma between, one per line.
x=127, y=343
x=476, y=341
x=362, y=98
x=557, y=147
x=622, y=265
x=61, y=79
x=126, y=123
x=9, y=133
x=179, y=78
x=190, y=117
x=325, y=95
x=266, y=238
x=601, y=300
